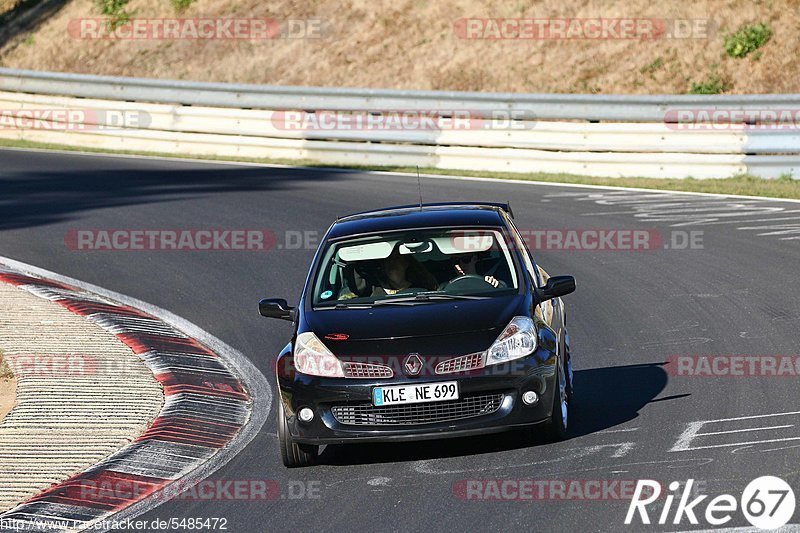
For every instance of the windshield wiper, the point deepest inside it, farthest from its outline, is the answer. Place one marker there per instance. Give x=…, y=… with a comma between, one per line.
x=446, y=296
x=425, y=297
x=343, y=305
x=352, y=306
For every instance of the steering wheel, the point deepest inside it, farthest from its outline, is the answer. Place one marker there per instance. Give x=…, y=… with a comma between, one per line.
x=468, y=282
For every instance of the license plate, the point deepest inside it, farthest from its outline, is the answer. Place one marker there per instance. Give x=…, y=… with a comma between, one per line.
x=424, y=392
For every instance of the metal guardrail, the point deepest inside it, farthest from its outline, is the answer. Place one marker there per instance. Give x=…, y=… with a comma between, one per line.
x=595, y=135
x=628, y=108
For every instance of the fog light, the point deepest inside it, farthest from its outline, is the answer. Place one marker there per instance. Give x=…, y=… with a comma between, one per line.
x=305, y=415
x=530, y=397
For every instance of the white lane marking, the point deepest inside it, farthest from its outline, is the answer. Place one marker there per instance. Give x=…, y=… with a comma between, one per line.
x=680, y=211
x=753, y=417
x=692, y=206
x=742, y=430
x=692, y=432
x=700, y=216
x=413, y=175
x=774, y=219
x=626, y=430
x=622, y=449
x=379, y=481
x=254, y=381
x=775, y=229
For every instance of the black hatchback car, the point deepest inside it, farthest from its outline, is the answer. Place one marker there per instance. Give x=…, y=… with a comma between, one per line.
x=422, y=322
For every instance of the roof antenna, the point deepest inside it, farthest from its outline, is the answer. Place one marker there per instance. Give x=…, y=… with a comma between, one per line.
x=419, y=187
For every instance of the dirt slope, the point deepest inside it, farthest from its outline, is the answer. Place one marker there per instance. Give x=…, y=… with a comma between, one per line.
x=418, y=44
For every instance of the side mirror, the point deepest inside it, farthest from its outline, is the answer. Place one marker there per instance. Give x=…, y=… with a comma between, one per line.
x=555, y=287
x=276, y=308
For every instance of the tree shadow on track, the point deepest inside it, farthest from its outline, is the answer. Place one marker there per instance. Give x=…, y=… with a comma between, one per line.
x=39, y=197
x=27, y=16
x=604, y=398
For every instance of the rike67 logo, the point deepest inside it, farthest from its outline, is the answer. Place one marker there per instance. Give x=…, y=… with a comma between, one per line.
x=767, y=502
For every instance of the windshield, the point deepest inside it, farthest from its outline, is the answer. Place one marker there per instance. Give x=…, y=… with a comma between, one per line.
x=415, y=266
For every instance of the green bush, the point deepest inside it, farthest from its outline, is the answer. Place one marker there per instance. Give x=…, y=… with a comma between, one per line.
x=714, y=84
x=181, y=5
x=747, y=39
x=115, y=11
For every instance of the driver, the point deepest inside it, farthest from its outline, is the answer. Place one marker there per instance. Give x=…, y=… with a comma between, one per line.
x=467, y=265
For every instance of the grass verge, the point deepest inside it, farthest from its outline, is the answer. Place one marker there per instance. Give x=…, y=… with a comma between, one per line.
x=784, y=187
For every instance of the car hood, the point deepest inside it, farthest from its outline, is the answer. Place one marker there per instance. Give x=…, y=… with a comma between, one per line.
x=438, y=328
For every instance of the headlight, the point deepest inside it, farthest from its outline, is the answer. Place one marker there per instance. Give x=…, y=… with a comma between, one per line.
x=519, y=339
x=313, y=358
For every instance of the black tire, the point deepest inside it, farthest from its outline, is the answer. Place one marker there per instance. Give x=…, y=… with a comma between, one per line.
x=570, y=396
x=556, y=427
x=570, y=384
x=293, y=455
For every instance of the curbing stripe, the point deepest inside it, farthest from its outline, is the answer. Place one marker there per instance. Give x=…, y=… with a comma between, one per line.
x=206, y=410
x=62, y=360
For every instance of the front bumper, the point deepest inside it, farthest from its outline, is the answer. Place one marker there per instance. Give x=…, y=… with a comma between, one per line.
x=536, y=372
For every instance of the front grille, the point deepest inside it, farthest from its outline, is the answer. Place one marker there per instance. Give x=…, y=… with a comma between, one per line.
x=463, y=363
x=366, y=370
x=419, y=413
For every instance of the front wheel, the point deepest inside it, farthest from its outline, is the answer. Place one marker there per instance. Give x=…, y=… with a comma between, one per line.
x=556, y=428
x=292, y=453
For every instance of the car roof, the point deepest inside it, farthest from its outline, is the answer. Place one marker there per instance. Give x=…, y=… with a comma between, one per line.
x=420, y=216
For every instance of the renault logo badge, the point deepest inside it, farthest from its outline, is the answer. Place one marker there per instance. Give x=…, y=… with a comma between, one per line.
x=412, y=365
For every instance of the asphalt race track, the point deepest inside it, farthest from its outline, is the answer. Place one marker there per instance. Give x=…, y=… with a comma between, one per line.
x=735, y=293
